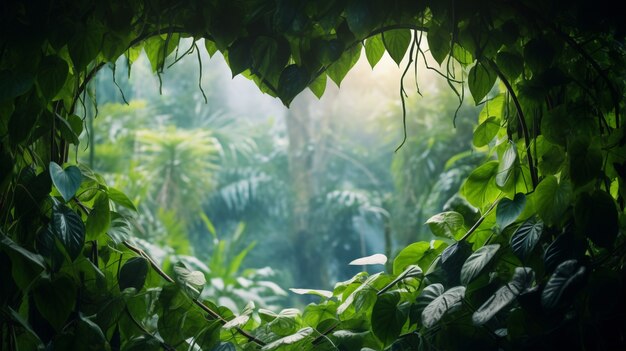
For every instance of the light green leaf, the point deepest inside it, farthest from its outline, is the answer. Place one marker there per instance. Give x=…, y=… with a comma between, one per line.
x=440, y=305
x=292, y=81
x=55, y=300
x=480, y=188
x=506, y=167
x=121, y=199
x=368, y=260
x=509, y=210
x=318, y=86
x=99, y=218
x=66, y=181
x=477, y=261
x=397, y=42
x=421, y=253
x=338, y=70
x=552, y=198
x=485, y=132
x=446, y=224
x=192, y=281
x=210, y=46
x=526, y=237
x=480, y=82
x=52, y=75
x=374, y=49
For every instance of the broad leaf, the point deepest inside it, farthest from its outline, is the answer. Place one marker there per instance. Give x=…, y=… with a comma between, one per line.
x=509, y=210
x=521, y=280
x=585, y=162
x=121, y=199
x=374, y=49
x=440, y=305
x=485, y=132
x=526, y=237
x=52, y=75
x=388, y=318
x=477, y=261
x=26, y=266
x=99, y=218
x=506, y=167
x=300, y=337
x=480, y=82
x=292, y=81
x=421, y=254
x=66, y=181
x=69, y=229
x=85, y=45
x=597, y=215
x=480, y=188
x=446, y=224
x=338, y=70
x=55, y=300
x=564, y=281
x=369, y=260
x=427, y=295
x=552, y=199
x=240, y=56
x=439, y=40
x=133, y=273
x=396, y=42
x=510, y=63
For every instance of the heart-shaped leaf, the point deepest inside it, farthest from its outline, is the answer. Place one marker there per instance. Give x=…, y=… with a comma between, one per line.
x=446, y=224
x=66, y=181
x=427, y=295
x=55, y=300
x=566, y=277
x=440, y=305
x=388, y=318
x=521, y=280
x=477, y=262
x=526, y=237
x=133, y=273
x=508, y=210
x=69, y=229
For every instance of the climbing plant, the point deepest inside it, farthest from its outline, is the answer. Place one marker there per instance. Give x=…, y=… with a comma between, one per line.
x=541, y=268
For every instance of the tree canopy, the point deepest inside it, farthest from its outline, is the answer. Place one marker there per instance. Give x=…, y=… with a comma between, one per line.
x=541, y=267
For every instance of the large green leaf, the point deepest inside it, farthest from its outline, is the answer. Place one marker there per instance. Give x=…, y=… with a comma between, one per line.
x=99, y=218
x=69, y=229
x=510, y=63
x=337, y=71
x=85, y=45
x=52, y=75
x=564, y=281
x=480, y=188
x=13, y=84
x=292, y=81
x=240, y=56
x=509, y=210
x=566, y=246
x=585, y=162
x=486, y=131
x=25, y=265
x=360, y=18
x=388, y=318
x=55, y=300
x=427, y=295
x=521, y=280
x=66, y=181
x=420, y=253
x=453, y=258
x=133, y=273
x=396, y=42
x=448, y=225
x=506, y=167
x=121, y=199
x=440, y=305
x=46, y=244
x=323, y=293
x=480, y=82
x=597, y=216
x=477, y=261
x=552, y=198
x=439, y=40
x=374, y=49
x=526, y=237
x=290, y=342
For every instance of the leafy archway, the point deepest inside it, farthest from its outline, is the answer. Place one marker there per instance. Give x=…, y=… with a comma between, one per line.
x=543, y=267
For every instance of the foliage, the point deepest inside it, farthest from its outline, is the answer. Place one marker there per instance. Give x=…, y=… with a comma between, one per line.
x=555, y=281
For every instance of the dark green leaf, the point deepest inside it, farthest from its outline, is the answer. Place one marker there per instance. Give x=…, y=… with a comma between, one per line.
x=396, y=42
x=480, y=82
x=438, y=41
x=511, y=64
x=25, y=265
x=69, y=229
x=477, y=261
x=52, y=75
x=66, y=181
x=388, y=318
x=120, y=229
x=240, y=56
x=508, y=210
x=55, y=300
x=440, y=305
x=564, y=281
x=427, y=295
x=99, y=218
x=597, y=215
x=133, y=273
x=566, y=246
x=374, y=49
x=46, y=244
x=338, y=70
x=85, y=45
x=448, y=225
x=522, y=279
x=360, y=18
x=552, y=199
x=526, y=237
x=485, y=132
x=292, y=81
x=14, y=84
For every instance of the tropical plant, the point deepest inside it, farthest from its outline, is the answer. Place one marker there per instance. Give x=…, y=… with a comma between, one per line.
x=542, y=267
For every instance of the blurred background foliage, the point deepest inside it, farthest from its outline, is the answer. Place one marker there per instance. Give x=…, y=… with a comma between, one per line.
x=261, y=198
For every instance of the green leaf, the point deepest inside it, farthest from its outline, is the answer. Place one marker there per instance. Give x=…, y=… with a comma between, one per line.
x=566, y=246
x=585, y=163
x=437, y=308
x=85, y=45
x=508, y=210
x=14, y=84
x=480, y=82
x=597, y=215
x=388, y=318
x=133, y=273
x=511, y=64
x=506, y=167
x=427, y=295
x=25, y=265
x=485, y=132
x=396, y=42
x=565, y=280
x=526, y=237
x=480, y=188
x=318, y=86
x=338, y=70
x=421, y=254
x=268, y=59
x=66, y=181
x=46, y=244
x=52, y=75
x=292, y=81
x=552, y=198
x=369, y=260
x=374, y=49
x=452, y=259
x=315, y=314
x=240, y=56
x=55, y=300
x=120, y=229
x=290, y=342
x=99, y=218
x=360, y=19
x=121, y=199
x=192, y=281
x=477, y=261
x=210, y=46
x=69, y=229
x=522, y=279
x=438, y=41
x=446, y=224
